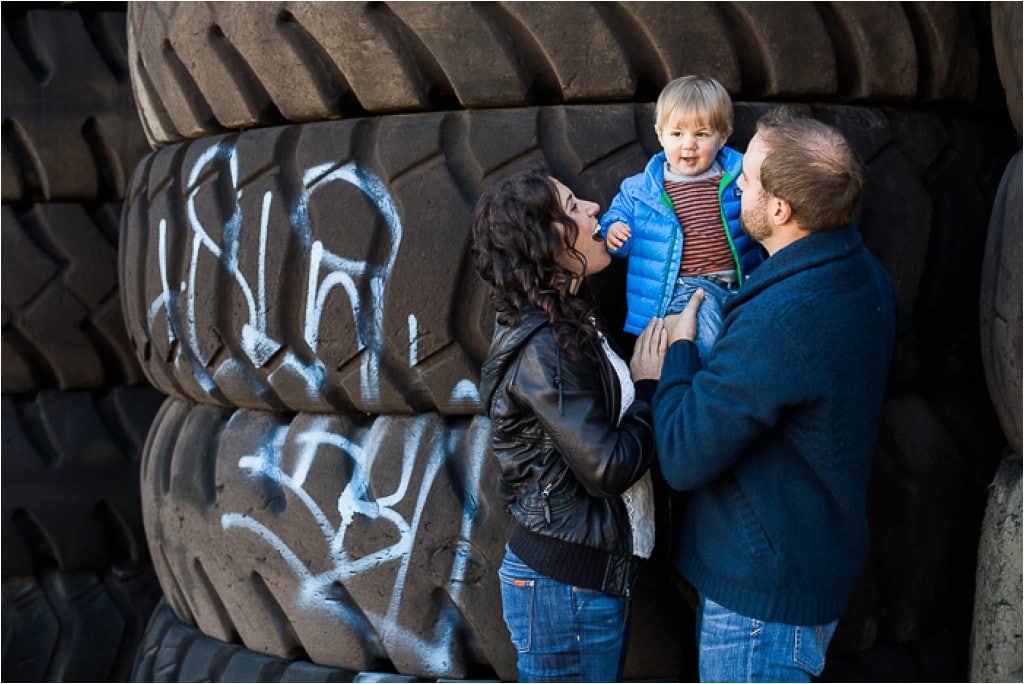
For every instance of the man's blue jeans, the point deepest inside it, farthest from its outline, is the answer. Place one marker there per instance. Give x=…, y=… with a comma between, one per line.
x=709, y=316
x=562, y=633
x=735, y=648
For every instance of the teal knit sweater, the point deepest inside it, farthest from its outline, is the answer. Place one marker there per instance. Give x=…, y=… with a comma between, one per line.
x=775, y=437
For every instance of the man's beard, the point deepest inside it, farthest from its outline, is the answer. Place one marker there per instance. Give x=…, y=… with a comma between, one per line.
x=755, y=223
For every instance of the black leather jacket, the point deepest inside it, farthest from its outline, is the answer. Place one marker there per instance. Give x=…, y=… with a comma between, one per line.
x=564, y=462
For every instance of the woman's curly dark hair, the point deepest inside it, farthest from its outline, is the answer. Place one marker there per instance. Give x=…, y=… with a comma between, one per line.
x=516, y=248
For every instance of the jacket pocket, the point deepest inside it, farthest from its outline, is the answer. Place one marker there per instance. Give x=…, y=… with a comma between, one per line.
x=750, y=526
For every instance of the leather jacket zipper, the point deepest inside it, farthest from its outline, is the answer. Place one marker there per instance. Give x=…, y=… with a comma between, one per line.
x=546, y=494
x=547, y=502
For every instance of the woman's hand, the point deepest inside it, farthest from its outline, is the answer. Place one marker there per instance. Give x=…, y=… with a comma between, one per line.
x=649, y=352
x=683, y=325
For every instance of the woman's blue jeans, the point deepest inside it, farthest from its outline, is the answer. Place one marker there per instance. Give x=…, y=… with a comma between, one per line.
x=562, y=633
x=735, y=648
x=709, y=316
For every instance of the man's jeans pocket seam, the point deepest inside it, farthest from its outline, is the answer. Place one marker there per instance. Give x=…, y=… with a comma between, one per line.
x=522, y=637
x=813, y=661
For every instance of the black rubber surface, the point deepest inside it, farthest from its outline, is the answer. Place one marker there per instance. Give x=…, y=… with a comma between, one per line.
x=70, y=479
x=257, y=273
x=960, y=171
x=1000, y=304
x=75, y=626
x=201, y=68
x=941, y=658
x=70, y=127
x=62, y=322
x=1006, y=32
x=366, y=545
x=175, y=652
x=926, y=499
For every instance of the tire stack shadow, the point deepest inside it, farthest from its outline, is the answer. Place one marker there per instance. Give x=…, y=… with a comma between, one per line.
x=77, y=585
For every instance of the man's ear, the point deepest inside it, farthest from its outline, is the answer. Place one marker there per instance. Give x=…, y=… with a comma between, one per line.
x=781, y=211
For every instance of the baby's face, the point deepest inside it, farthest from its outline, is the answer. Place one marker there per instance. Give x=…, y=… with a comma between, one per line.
x=690, y=146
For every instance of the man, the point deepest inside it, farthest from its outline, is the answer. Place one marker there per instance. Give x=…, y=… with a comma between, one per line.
x=774, y=437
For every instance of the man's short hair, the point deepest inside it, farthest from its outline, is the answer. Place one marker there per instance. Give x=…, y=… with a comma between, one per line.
x=813, y=167
x=697, y=99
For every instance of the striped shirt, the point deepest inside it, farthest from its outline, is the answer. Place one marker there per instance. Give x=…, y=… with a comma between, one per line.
x=705, y=244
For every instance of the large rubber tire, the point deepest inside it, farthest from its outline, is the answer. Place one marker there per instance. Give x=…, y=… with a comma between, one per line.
x=1006, y=32
x=382, y=207
x=70, y=479
x=175, y=652
x=202, y=68
x=961, y=180
x=924, y=479
x=996, y=649
x=1002, y=328
x=935, y=659
x=346, y=541
x=70, y=129
x=62, y=322
x=75, y=627
x=930, y=472
x=354, y=543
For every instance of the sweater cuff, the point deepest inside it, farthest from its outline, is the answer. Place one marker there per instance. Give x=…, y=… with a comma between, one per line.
x=682, y=359
x=645, y=389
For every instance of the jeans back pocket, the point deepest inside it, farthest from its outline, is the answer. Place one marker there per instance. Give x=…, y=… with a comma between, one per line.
x=810, y=645
x=517, y=605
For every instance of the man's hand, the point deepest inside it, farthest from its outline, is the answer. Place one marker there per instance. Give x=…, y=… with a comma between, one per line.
x=683, y=325
x=618, y=234
x=649, y=352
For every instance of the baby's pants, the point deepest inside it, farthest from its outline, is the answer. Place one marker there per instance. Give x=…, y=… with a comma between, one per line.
x=709, y=317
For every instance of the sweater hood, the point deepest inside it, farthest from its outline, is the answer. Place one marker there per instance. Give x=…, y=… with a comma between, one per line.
x=505, y=346
x=809, y=252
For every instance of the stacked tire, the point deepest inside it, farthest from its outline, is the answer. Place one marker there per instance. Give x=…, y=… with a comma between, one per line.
x=296, y=273
x=996, y=645
x=77, y=584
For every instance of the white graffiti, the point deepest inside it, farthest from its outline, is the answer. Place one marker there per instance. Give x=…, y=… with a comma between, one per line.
x=414, y=352
x=327, y=271
x=466, y=392
x=363, y=283
x=355, y=502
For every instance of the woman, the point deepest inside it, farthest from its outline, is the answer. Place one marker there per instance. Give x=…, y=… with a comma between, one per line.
x=570, y=430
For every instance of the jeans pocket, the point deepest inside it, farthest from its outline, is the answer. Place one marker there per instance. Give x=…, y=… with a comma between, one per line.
x=517, y=605
x=597, y=605
x=810, y=645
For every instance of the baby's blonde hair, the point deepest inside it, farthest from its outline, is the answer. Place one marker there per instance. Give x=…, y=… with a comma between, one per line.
x=696, y=99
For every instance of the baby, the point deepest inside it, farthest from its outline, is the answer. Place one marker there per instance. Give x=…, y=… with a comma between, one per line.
x=678, y=221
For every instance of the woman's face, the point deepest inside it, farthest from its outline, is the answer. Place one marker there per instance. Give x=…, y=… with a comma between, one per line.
x=584, y=213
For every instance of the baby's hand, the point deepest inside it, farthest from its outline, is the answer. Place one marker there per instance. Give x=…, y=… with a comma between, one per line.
x=618, y=234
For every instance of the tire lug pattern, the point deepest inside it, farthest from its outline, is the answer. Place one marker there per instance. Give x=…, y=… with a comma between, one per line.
x=222, y=66
x=327, y=267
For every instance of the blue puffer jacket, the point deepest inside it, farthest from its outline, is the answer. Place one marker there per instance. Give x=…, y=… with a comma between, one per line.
x=656, y=245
